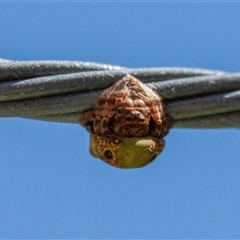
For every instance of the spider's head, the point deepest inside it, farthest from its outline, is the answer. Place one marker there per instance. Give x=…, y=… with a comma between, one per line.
x=131, y=122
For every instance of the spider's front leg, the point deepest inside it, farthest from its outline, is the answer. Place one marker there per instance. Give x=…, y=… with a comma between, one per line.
x=101, y=125
x=156, y=129
x=161, y=126
x=86, y=119
x=167, y=123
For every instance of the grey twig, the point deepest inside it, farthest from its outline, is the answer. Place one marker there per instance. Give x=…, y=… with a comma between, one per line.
x=61, y=90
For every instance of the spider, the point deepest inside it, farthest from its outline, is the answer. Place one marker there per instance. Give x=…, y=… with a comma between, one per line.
x=128, y=109
x=127, y=124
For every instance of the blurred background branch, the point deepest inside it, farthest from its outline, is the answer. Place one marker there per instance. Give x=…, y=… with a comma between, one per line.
x=61, y=90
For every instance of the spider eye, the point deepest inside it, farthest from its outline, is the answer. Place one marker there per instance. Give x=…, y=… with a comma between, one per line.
x=108, y=154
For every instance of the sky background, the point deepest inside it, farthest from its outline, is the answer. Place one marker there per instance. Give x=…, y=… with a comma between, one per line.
x=51, y=187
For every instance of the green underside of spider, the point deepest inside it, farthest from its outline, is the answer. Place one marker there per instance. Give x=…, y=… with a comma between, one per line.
x=126, y=152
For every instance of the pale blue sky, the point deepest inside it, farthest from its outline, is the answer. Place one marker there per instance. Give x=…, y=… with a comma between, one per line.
x=51, y=187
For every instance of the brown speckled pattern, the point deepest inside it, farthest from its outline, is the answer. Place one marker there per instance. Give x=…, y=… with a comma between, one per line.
x=129, y=109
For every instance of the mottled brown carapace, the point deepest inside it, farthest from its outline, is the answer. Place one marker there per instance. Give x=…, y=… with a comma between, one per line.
x=128, y=109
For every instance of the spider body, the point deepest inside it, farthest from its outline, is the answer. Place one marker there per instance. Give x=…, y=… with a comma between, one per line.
x=128, y=109
x=127, y=124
